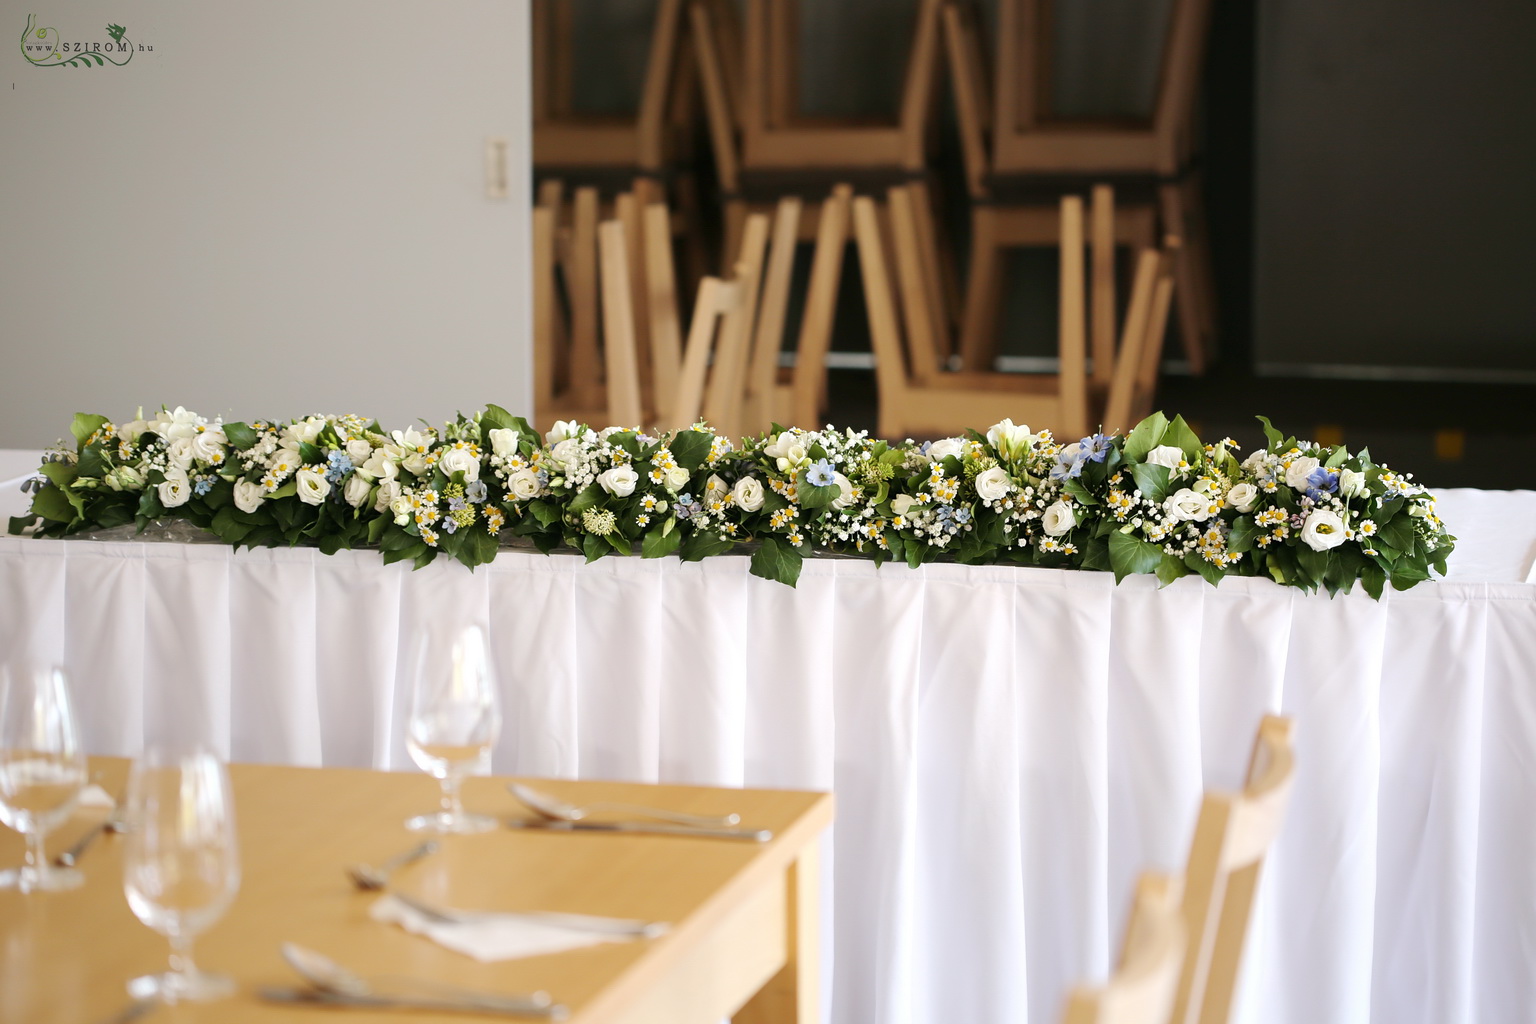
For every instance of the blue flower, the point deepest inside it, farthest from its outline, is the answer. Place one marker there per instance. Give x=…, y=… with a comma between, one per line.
x=203, y=486
x=1094, y=448
x=543, y=477
x=449, y=526
x=821, y=474
x=1321, y=482
x=475, y=491
x=339, y=464
x=1068, y=467
x=457, y=504
x=962, y=516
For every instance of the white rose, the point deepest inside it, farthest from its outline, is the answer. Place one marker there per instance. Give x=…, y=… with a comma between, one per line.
x=1187, y=504
x=677, y=478
x=180, y=452
x=563, y=430
x=1297, y=472
x=356, y=491
x=1351, y=483
x=313, y=486
x=748, y=494
x=460, y=460
x=504, y=441
x=1322, y=530
x=400, y=506
x=845, y=496
x=946, y=447
x=176, y=489
x=389, y=490
x=1165, y=455
x=359, y=450
x=780, y=447
x=1058, y=519
x=715, y=489
x=208, y=446
x=902, y=504
x=993, y=484
x=284, y=461
x=567, y=453
x=1254, y=461
x=619, y=481
x=248, y=495
x=416, y=464
x=1011, y=440
x=1243, y=497
x=523, y=484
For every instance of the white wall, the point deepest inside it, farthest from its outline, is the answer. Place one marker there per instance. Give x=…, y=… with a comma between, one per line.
x=280, y=210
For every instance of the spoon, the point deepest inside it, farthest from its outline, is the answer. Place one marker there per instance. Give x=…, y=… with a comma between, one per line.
x=330, y=977
x=369, y=878
x=558, y=810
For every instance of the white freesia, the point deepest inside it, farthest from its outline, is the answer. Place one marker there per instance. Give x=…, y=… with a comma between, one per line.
x=677, y=478
x=208, y=445
x=313, y=486
x=748, y=494
x=993, y=484
x=380, y=466
x=523, y=484
x=416, y=464
x=304, y=431
x=1011, y=440
x=795, y=457
x=780, y=447
x=359, y=450
x=1058, y=519
x=460, y=460
x=411, y=440
x=845, y=491
x=176, y=489
x=563, y=430
x=1297, y=472
x=179, y=452
x=1165, y=455
x=125, y=478
x=902, y=504
x=131, y=430
x=1254, y=462
x=249, y=495
x=946, y=447
x=503, y=441
x=1243, y=497
x=715, y=489
x=175, y=425
x=1351, y=483
x=619, y=481
x=1188, y=505
x=356, y=490
x=389, y=490
x=1322, y=530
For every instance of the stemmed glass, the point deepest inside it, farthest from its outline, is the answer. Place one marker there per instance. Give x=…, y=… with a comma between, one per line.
x=181, y=863
x=42, y=770
x=455, y=718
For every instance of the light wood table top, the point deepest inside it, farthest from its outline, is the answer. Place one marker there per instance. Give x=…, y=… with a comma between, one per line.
x=742, y=921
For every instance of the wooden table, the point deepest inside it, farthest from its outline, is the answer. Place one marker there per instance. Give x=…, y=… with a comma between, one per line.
x=743, y=915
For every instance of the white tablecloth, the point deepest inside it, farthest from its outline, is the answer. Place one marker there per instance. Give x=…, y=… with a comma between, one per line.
x=1008, y=746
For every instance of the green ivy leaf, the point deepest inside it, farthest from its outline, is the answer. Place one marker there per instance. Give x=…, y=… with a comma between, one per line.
x=1181, y=437
x=1083, y=495
x=52, y=504
x=661, y=542
x=593, y=547
x=1170, y=569
x=545, y=512
x=777, y=560
x=588, y=498
x=1145, y=436
x=1151, y=480
x=1195, y=563
x=1244, y=531
x=1128, y=554
x=690, y=448
x=813, y=496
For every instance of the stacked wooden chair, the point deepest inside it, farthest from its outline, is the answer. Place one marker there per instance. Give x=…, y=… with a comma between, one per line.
x=1143, y=987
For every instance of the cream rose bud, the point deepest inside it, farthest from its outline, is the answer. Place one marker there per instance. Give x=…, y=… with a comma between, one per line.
x=359, y=450
x=677, y=478
x=946, y=447
x=1322, y=530
x=902, y=504
x=313, y=486
x=715, y=489
x=1058, y=519
x=248, y=495
x=619, y=481
x=993, y=484
x=1243, y=497
x=356, y=491
x=1188, y=505
x=416, y=464
x=1297, y=472
x=180, y=452
x=1165, y=455
x=523, y=484
x=460, y=460
x=389, y=490
x=1351, y=483
x=845, y=496
x=504, y=441
x=1417, y=511
x=748, y=494
x=563, y=430
x=176, y=489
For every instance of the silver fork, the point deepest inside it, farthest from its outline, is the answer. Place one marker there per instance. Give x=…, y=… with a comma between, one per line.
x=114, y=822
x=584, y=922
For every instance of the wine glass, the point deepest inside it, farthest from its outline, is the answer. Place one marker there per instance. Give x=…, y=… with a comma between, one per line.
x=454, y=720
x=42, y=770
x=181, y=863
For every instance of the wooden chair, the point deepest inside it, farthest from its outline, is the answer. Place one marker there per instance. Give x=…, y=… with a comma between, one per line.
x=1232, y=836
x=1017, y=160
x=1142, y=988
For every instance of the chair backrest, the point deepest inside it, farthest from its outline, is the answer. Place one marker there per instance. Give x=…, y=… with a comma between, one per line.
x=768, y=332
x=973, y=97
x=815, y=340
x=1142, y=988
x=716, y=298
x=723, y=399
x=1232, y=836
x=619, y=353
x=660, y=277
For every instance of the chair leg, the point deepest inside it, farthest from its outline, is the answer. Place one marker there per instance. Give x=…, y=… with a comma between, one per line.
x=983, y=293
x=736, y=211
x=1187, y=290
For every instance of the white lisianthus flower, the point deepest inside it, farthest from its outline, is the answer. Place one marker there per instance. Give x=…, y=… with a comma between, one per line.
x=460, y=460
x=1058, y=519
x=1254, y=461
x=1297, y=472
x=208, y=446
x=1351, y=483
x=715, y=489
x=1323, y=530
x=523, y=484
x=359, y=450
x=619, y=481
x=946, y=447
x=677, y=478
x=176, y=489
x=1188, y=505
x=902, y=504
x=748, y=494
x=779, y=449
x=567, y=453
x=313, y=486
x=356, y=490
x=845, y=496
x=1011, y=440
x=179, y=452
x=503, y=441
x=389, y=490
x=284, y=461
x=1165, y=455
x=993, y=484
x=563, y=430
x=248, y=495
x=1243, y=497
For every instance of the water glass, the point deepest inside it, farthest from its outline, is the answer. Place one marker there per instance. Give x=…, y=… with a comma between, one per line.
x=455, y=718
x=42, y=770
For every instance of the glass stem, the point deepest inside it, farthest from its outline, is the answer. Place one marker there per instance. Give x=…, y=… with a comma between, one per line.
x=451, y=806
x=181, y=955
x=36, y=859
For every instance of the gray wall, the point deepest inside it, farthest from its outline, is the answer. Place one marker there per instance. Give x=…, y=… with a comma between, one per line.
x=280, y=210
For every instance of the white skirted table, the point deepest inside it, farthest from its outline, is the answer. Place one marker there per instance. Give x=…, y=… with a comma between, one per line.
x=1008, y=746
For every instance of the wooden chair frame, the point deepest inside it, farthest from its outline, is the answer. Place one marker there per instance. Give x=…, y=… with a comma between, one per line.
x=1141, y=991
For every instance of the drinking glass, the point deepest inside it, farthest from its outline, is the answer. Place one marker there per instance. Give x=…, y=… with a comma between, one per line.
x=42, y=770
x=454, y=720
x=181, y=863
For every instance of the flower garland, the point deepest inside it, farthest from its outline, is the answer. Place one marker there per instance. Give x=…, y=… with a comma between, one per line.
x=1156, y=500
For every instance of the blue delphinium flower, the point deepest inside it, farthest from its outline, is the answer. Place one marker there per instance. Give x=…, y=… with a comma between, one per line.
x=821, y=474
x=338, y=465
x=1321, y=482
x=1094, y=448
x=475, y=491
x=1068, y=467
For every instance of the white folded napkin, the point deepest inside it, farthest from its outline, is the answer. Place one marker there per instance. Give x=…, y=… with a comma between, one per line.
x=493, y=936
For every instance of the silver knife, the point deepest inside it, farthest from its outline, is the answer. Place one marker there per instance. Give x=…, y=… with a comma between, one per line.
x=754, y=835
x=320, y=997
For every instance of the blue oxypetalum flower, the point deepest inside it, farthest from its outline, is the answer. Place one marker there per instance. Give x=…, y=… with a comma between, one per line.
x=821, y=474
x=203, y=486
x=338, y=465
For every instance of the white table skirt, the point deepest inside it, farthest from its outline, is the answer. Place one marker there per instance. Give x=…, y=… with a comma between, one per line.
x=1009, y=747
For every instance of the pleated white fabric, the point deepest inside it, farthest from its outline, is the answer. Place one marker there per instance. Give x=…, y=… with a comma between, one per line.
x=1009, y=747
